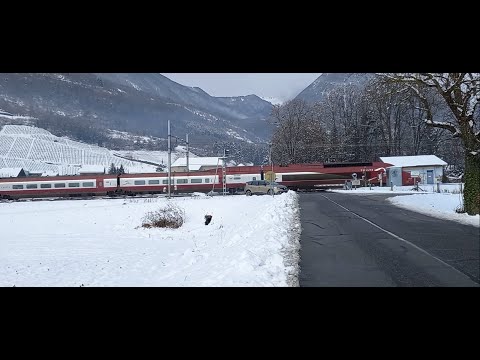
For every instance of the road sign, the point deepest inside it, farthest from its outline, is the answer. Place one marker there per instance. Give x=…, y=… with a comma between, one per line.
x=354, y=176
x=356, y=182
x=415, y=173
x=270, y=176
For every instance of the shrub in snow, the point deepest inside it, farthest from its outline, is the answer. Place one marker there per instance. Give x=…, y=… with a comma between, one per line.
x=170, y=216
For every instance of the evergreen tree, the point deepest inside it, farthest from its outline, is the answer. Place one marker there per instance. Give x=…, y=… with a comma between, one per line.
x=113, y=169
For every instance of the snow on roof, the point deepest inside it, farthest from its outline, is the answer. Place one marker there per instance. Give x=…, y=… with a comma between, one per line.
x=198, y=161
x=49, y=173
x=88, y=169
x=418, y=160
x=194, y=167
x=10, y=172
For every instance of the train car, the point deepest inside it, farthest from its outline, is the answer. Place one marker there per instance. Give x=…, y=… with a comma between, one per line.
x=14, y=188
x=157, y=183
x=295, y=177
x=112, y=185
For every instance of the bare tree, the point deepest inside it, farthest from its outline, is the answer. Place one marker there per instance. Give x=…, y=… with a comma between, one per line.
x=461, y=93
x=297, y=131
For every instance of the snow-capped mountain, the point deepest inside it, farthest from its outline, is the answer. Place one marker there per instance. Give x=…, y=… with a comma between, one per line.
x=272, y=100
x=328, y=81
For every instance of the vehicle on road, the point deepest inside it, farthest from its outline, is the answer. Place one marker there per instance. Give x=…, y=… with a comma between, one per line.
x=263, y=187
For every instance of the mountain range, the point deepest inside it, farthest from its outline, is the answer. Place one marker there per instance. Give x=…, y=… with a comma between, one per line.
x=130, y=111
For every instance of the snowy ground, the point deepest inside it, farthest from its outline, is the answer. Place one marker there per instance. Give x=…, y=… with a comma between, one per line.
x=437, y=205
x=251, y=241
x=441, y=205
x=444, y=188
x=377, y=190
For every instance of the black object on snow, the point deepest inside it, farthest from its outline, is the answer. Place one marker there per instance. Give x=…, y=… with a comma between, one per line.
x=208, y=218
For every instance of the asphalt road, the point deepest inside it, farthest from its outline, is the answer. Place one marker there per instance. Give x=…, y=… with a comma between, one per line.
x=363, y=240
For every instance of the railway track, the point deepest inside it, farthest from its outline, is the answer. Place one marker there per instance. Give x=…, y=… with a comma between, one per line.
x=149, y=196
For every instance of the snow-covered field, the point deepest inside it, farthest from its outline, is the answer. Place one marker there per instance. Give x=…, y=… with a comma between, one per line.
x=437, y=205
x=37, y=150
x=251, y=241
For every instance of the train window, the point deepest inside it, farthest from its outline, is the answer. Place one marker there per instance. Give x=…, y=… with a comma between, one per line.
x=165, y=182
x=207, y=181
x=153, y=182
x=88, y=184
x=196, y=181
x=139, y=182
x=17, y=187
x=32, y=186
x=182, y=181
x=59, y=185
x=45, y=186
x=74, y=185
x=237, y=178
x=254, y=178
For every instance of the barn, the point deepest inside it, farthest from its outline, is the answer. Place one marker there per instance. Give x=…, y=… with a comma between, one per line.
x=408, y=170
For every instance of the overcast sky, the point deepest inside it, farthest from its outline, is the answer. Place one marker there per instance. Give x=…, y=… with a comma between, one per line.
x=283, y=86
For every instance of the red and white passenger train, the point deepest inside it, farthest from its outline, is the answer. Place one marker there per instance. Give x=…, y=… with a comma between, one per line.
x=298, y=176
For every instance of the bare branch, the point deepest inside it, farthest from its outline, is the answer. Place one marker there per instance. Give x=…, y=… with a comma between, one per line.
x=443, y=125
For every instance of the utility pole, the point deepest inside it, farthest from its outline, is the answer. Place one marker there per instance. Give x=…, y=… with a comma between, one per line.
x=271, y=163
x=224, y=172
x=169, y=159
x=188, y=167
x=270, y=153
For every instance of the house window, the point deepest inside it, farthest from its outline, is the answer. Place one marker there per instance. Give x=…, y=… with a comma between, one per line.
x=154, y=182
x=32, y=186
x=139, y=182
x=196, y=181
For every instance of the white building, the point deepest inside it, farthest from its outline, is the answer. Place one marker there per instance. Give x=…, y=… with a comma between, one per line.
x=424, y=169
x=12, y=172
x=196, y=164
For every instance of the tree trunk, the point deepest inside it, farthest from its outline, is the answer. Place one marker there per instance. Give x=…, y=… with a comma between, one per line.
x=471, y=195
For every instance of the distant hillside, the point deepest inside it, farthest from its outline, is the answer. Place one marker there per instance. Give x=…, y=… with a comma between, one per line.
x=97, y=108
x=37, y=150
